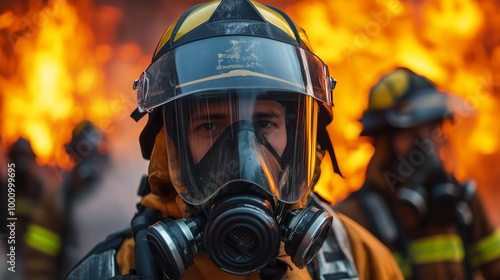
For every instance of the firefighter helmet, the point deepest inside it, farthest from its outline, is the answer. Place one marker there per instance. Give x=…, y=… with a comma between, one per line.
x=87, y=140
x=403, y=99
x=185, y=59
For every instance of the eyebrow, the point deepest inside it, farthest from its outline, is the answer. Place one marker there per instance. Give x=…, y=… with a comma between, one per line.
x=204, y=117
x=267, y=115
x=218, y=116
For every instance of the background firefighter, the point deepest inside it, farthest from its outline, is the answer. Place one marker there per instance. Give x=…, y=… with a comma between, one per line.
x=58, y=235
x=435, y=225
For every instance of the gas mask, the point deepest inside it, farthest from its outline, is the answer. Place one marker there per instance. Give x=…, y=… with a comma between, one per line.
x=241, y=235
x=242, y=162
x=427, y=192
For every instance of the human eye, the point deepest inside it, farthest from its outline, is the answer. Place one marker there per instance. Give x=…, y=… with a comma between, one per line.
x=207, y=127
x=262, y=124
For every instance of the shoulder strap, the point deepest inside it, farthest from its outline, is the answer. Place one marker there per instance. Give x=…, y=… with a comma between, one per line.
x=382, y=222
x=100, y=263
x=334, y=260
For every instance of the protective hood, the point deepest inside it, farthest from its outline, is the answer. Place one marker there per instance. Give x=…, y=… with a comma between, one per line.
x=163, y=196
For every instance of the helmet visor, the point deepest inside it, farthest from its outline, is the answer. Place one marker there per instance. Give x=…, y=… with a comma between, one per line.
x=233, y=62
x=263, y=138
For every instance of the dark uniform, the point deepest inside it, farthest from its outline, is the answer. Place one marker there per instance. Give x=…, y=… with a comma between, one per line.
x=29, y=183
x=435, y=226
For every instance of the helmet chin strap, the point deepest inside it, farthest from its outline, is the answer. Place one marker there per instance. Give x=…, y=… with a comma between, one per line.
x=136, y=115
x=276, y=269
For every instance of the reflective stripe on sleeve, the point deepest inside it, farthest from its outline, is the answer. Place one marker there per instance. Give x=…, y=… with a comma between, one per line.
x=43, y=240
x=437, y=248
x=486, y=249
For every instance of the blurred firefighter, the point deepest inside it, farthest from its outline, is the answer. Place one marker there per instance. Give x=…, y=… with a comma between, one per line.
x=29, y=183
x=435, y=225
x=237, y=106
x=55, y=238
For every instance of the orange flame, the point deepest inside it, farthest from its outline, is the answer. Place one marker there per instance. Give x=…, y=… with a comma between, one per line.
x=455, y=44
x=54, y=76
x=53, y=72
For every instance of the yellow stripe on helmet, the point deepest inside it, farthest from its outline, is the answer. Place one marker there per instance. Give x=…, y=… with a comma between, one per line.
x=389, y=89
x=204, y=12
x=274, y=18
x=196, y=18
x=166, y=36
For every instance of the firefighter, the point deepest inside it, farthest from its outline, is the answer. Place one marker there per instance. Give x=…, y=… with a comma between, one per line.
x=435, y=225
x=237, y=105
x=29, y=181
x=57, y=234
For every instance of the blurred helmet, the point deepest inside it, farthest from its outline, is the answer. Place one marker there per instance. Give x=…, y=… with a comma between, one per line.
x=403, y=99
x=238, y=55
x=87, y=140
x=22, y=155
x=21, y=150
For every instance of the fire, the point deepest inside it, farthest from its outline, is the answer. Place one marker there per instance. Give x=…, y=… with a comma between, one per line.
x=52, y=76
x=454, y=43
x=59, y=68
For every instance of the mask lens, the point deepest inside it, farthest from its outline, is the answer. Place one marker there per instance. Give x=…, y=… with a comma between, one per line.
x=209, y=120
x=265, y=138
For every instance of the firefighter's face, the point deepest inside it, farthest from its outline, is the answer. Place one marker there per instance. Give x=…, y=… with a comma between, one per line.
x=208, y=122
x=406, y=140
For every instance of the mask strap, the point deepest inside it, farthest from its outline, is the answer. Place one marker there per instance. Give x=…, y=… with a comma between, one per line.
x=136, y=115
x=326, y=143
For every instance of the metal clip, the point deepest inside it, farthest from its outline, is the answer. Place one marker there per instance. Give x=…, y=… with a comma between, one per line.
x=333, y=83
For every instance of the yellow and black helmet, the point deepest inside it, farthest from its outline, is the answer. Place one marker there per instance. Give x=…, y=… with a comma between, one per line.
x=403, y=99
x=225, y=18
x=197, y=53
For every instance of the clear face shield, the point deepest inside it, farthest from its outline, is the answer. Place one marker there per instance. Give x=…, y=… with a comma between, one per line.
x=267, y=140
